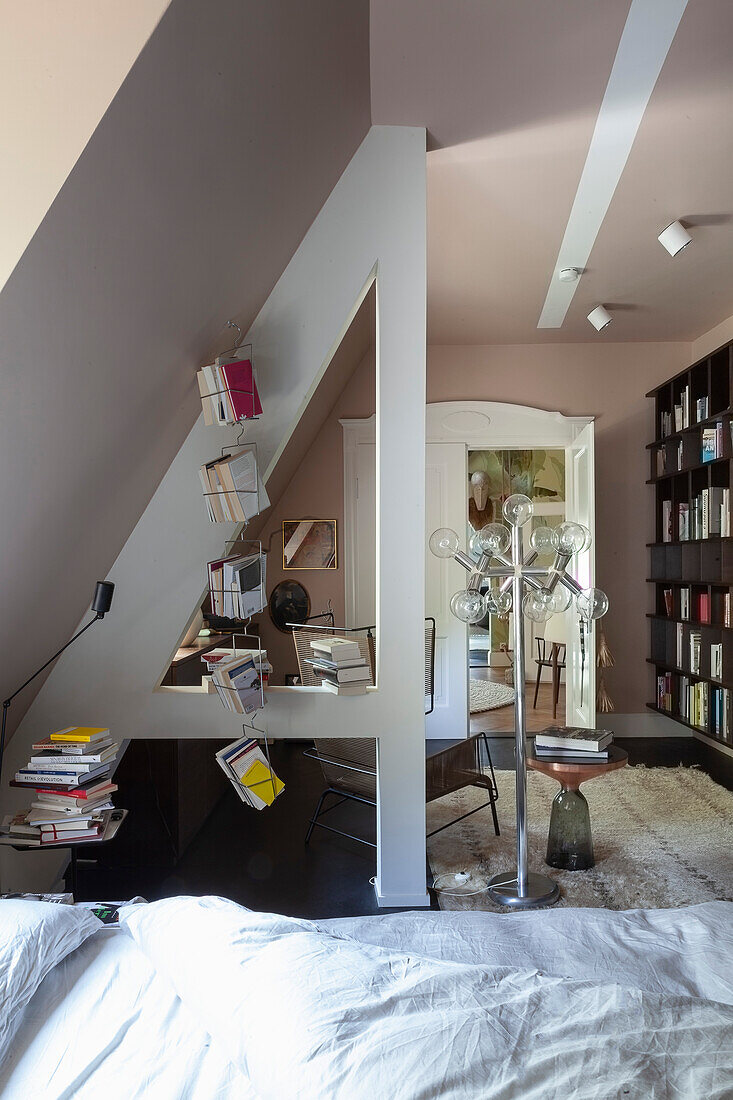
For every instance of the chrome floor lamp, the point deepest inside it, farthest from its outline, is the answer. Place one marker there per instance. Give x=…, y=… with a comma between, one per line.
x=519, y=585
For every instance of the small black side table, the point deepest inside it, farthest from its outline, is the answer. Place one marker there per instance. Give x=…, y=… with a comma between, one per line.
x=118, y=816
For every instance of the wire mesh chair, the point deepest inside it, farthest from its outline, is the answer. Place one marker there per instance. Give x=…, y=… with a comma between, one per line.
x=349, y=765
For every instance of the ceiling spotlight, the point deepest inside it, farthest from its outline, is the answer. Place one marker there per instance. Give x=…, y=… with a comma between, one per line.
x=674, y=238
x=569, y=274
x=600, y=317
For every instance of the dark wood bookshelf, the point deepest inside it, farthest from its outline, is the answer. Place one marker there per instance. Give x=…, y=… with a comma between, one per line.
x=703, y=565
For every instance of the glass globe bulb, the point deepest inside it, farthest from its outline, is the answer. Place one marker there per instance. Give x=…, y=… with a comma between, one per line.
x=592, y=603
x=561, y=599
x=572, y=538
x=517, y=509
x=543, y=540
x=443, y=542
x=503, y=602
x=494, y=538
x=475, y=548
x=468, y=606
x=537, y=605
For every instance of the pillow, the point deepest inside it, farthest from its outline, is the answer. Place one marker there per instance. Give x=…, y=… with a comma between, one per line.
x=34, y=937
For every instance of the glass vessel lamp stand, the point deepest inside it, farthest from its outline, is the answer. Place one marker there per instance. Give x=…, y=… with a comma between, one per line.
x=537, y=593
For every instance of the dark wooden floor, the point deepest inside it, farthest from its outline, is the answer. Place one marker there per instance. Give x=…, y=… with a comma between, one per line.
x=260, y=860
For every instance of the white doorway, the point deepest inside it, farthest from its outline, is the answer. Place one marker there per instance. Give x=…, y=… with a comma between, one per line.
x=452, y=429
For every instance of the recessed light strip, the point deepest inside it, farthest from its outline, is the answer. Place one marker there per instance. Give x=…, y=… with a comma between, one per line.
x=645, y=41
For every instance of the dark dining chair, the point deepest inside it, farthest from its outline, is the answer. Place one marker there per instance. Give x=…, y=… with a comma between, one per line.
x=549, y=655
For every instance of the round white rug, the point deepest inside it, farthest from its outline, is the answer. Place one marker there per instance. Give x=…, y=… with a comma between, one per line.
x=662, y=837
x=488, y=695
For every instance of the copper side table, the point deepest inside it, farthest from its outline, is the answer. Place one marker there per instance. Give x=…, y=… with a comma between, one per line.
x=569, y=841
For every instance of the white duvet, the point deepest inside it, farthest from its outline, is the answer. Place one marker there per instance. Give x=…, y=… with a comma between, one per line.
x=581, y=1003
x=200, y=999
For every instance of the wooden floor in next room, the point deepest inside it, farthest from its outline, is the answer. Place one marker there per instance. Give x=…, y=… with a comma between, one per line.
x=260, y=859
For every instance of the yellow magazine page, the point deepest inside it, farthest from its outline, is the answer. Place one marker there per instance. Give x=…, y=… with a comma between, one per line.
x=258, y=778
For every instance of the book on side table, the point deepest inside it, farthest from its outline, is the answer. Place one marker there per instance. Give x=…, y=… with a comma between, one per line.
x=573, y=743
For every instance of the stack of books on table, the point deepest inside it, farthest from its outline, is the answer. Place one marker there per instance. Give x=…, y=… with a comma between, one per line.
x=228, y=389
x=573, y=744
x=233, y=488
x=239, y=681
x=69, y=775
x=339, y=664
x=246, y=767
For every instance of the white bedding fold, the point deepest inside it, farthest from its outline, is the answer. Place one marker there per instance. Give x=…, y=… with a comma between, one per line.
x=314, y=1012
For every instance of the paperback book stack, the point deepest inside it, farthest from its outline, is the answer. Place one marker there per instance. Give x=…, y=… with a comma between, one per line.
x=233, y=488
x=216, y=657
x=340, y=665
x=239, y=682
x=69, y=775
x=573, y=744
x=228, y=389
x=246, y=767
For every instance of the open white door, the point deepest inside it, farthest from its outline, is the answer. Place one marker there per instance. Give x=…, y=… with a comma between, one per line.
x=446, y=477
x=580, y=691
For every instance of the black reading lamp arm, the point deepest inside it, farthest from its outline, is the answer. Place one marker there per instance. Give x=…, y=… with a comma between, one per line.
x=101, y=604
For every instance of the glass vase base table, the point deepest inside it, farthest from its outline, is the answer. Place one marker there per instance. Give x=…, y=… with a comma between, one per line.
x=570, y=841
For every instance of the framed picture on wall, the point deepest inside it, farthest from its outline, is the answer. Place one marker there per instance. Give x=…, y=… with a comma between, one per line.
x=309, y=544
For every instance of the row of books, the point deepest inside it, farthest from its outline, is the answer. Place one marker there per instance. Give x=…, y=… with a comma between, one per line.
x=228, y=389
x=695, y=645
x=698, y=608
x=708, y=514
x=247, y=769
x=705, y=706
x=232, y=486
x=680, y=418
x=69, y=775
x=574, y=744
x=239, y=680
x=340, y=666
x=237, y=585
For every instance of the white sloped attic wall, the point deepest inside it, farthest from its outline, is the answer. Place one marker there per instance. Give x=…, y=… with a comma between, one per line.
x=373, y=222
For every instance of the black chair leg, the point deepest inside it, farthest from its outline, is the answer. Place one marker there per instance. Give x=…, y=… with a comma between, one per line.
x=537, y=686
x=314, y=820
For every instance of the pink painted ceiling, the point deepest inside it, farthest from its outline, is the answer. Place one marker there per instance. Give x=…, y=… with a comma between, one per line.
x=509, y=92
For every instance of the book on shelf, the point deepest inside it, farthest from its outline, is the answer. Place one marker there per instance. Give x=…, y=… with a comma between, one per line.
x=680, y=455
x=709, y=450
x=701, y=409
x=716, y=661
x=576, y=738
x=703, y=607
x=668, y=602
x=247, y=769
x=680, y=644
x=342, y=675
x=664, y=691
x=70, y=795
x=695, y=652
x=683, y=522
x=666, y=521
x=684, y=603
x=721, y=704
x=338, y=650
x=237, y=585
x=239, y=684
x=665, y=424
x=48, y=750
x=686, y=407
x=715, y=510
x=677, y=418
x=661, y=466
x=697, y=704
x=228, y=389
x=725, y=514
x=726, y=608
x=358, y=688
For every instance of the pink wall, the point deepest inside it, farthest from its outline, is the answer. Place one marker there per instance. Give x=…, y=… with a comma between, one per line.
x=317, y=490
x=607, y=381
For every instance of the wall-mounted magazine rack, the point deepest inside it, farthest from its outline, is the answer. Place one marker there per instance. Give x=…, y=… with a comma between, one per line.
x=239, y=681
x=232, y=485
x=230, y=396
x=249, y=769
x=237, y=582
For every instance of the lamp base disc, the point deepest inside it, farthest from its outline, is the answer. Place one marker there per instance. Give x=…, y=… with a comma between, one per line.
x=540, y=890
